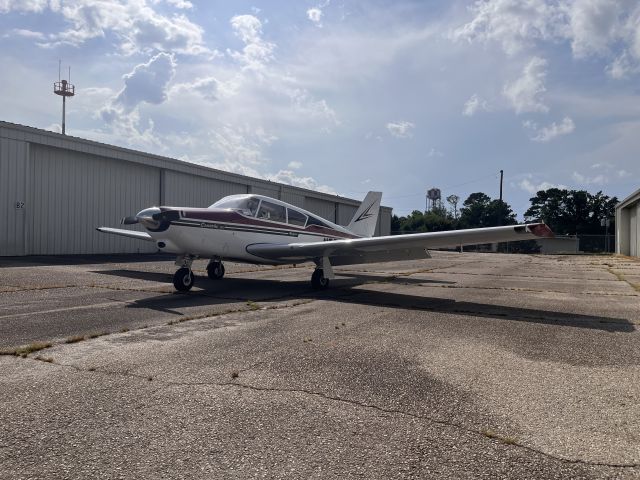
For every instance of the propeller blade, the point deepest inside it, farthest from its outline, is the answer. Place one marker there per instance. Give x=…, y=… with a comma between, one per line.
x=129, y=220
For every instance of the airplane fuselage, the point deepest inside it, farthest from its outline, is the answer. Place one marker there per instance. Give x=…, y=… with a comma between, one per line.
x=226, y=233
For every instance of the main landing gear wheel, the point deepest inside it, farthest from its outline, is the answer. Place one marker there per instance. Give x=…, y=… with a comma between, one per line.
x=183, y=279
x=215, y=270
x=318, y=280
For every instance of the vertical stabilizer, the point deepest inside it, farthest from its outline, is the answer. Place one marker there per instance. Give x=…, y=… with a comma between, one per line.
x=365, y=219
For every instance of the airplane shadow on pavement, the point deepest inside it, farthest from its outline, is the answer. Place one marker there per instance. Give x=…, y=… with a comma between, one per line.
x=211, y=292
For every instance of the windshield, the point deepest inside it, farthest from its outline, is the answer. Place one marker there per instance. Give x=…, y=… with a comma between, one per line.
x=245, y=205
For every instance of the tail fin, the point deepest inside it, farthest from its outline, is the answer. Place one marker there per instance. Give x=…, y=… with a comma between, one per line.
x=366, y=217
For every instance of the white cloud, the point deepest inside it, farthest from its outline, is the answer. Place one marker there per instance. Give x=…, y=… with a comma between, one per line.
x=257, y=52
x=401, y=129
x=290, y=178
x=35, y=6
x=514, y=24
x=147, y=82
x=434, y=153
x=529, y=185
x=592, y=28
x=20, y=32
x=295, y=164
x=600, y=179
x=315, y=15
x=182, y=4
x=549, y=132
x=135, y=24
x=524, y=93
x=473, y=105
x=206, y=87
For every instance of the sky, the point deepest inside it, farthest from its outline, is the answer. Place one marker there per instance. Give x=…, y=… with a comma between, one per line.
x=345, y=96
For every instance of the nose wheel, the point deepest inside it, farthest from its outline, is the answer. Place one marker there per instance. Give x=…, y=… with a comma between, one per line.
x=215, y=270
x=318, y=280
x=183, y=279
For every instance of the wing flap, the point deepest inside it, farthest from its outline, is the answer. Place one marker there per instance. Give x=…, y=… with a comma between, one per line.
x=395, y=247
x=126, y=233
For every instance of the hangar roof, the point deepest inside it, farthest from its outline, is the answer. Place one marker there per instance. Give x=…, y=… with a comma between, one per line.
x=45, y=137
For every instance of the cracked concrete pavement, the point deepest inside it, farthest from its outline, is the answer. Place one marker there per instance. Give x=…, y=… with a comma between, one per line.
x=462, y=366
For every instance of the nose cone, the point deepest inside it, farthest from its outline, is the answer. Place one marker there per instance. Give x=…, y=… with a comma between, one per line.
x=146, y=217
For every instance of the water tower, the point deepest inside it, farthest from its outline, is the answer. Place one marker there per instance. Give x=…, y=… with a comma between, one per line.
x=65, y=89
x=433, y=198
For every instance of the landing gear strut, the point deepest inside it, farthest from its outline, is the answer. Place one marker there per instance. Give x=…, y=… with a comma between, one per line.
x=184, y=279
x=318, y=280
x=215, y=270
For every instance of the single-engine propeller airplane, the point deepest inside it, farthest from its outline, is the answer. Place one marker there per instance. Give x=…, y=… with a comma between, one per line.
x=262, y=230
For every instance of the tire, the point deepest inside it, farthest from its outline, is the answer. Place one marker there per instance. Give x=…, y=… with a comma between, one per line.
x=215, y=270
x=183, y=279
x=318, y=280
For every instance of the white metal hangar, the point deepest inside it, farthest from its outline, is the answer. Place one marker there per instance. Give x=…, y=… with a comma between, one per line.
x=56, y=189
x=628, y=225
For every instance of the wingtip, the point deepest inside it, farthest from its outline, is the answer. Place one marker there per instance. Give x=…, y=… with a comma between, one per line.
x=541, y=230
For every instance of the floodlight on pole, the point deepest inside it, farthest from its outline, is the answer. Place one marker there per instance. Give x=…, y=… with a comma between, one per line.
x=65, y=89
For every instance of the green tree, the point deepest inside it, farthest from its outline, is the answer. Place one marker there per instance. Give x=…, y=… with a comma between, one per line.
x=478, y=211
x=571, y=212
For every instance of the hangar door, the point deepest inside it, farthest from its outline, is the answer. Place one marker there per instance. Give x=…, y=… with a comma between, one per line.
x=633, y=231
x=72, y=193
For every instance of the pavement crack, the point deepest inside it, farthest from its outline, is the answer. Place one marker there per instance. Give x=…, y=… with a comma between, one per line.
x=438, y=421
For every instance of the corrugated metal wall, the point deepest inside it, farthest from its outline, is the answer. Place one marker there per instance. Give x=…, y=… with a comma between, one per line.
x=73, y=193
x=292, y=197
x=64, y=187
x=345, y=213
x=320, y=207
x=268, y=190
x=634, y=233
x=13, y=196
x=188, y=190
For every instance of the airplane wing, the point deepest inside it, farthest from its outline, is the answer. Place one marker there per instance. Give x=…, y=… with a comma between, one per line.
x=394, y=247
x=126, y=233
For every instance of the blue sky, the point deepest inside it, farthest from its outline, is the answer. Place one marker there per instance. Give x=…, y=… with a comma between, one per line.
x=343, y=96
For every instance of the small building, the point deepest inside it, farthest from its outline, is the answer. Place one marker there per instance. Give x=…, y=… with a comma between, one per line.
x=56, y=189
x=558, y=245
x=628, y=225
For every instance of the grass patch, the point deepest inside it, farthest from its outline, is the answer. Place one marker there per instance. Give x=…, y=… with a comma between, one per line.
x=44, y=359
x=97, y=334
x=26, y=350
x=495, y=436
x=74, y=339
x=253, y=305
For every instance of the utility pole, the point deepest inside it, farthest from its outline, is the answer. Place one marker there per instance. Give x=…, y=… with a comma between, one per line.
x=501, y=176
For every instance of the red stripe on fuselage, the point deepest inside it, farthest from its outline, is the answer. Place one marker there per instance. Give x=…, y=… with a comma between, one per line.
x=229, y=216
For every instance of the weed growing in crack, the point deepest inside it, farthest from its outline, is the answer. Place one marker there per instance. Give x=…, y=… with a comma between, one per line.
x=26, y=350
x=97, y=334
x=495, y=436
x=74, y=339
x=253, y=305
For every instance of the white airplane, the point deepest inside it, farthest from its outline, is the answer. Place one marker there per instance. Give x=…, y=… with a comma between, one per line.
x=262, y=230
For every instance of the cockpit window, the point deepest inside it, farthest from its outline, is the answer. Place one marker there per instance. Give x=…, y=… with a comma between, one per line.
x=296, y=218
x=272, y=211
x=245, y=205
x=316, y=221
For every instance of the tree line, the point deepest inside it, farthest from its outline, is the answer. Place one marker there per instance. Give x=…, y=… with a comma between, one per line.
x=567, y=212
